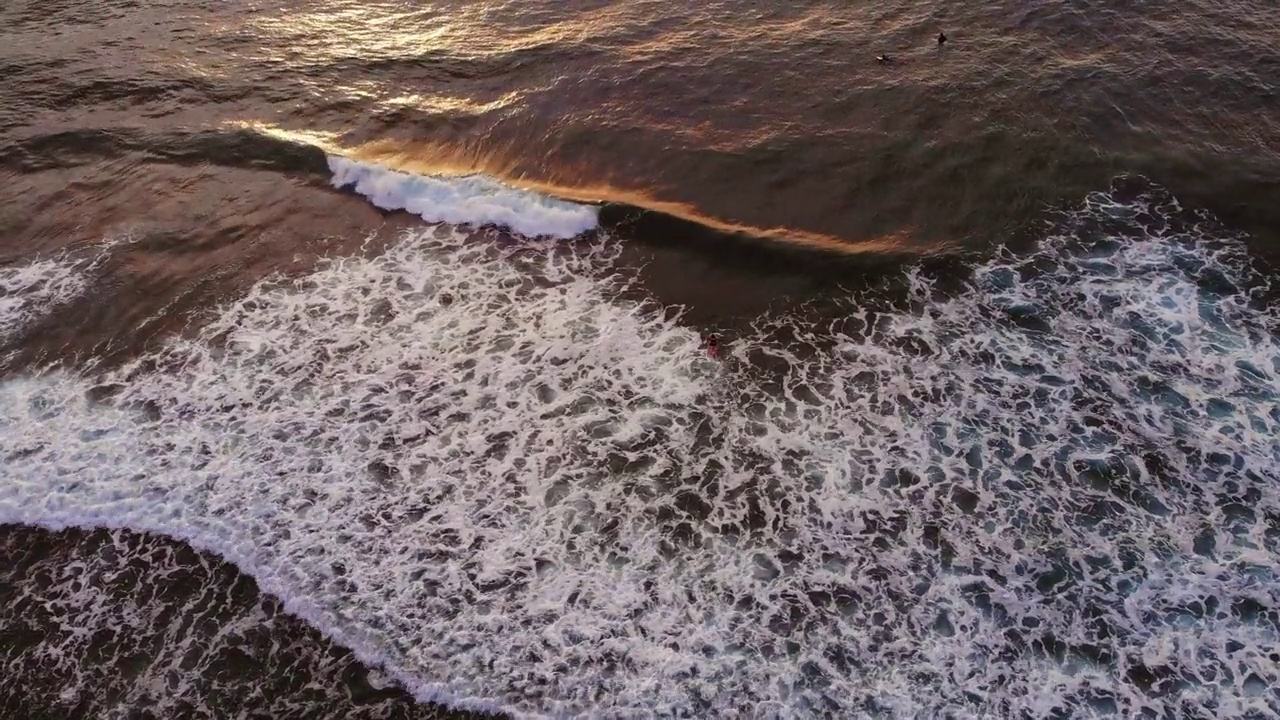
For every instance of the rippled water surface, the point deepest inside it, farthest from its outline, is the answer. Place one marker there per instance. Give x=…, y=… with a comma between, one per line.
x=353, y=360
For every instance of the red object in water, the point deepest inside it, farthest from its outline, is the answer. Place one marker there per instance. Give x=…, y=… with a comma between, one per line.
x=713, y=347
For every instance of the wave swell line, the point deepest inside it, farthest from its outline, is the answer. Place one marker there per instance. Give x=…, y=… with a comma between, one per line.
x=468, y=200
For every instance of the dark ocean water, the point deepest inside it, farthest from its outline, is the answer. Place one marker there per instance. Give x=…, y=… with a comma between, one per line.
x=351, y=359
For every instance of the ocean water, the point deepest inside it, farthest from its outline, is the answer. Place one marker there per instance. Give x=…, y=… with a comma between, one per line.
x=353, y=361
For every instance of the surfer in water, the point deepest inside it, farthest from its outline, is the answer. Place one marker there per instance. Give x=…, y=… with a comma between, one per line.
x=713, y=346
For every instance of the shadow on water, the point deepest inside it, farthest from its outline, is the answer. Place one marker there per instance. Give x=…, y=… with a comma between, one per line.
x=224, y=148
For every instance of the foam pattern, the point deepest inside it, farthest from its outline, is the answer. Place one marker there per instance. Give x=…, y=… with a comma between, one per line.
x=1051, y=495
x=468, y=200
x=30, y=291
x=113, y=625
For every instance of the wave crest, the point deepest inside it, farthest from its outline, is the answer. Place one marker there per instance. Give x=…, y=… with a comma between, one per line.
x=470, y=200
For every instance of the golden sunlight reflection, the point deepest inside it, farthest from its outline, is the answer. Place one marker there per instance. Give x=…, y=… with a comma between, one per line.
x=451, y=105
x=440, y=159
x=470, y=30
x=640, y=31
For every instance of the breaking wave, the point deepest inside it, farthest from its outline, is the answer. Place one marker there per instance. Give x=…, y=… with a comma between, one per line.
x=492, y=474
x=469, y=200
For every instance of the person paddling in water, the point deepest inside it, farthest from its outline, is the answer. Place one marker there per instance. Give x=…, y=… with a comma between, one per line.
x=713, y=346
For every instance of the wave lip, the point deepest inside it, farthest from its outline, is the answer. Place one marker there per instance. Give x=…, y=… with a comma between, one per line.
x=464, y=200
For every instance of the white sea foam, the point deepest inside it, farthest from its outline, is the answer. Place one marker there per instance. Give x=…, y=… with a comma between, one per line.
x=30, y=291
x=471, y=200
x=513, y=488
x=87, y=635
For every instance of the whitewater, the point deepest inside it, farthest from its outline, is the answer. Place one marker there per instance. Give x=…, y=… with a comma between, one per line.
x=499, y=474
x=464, y=200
